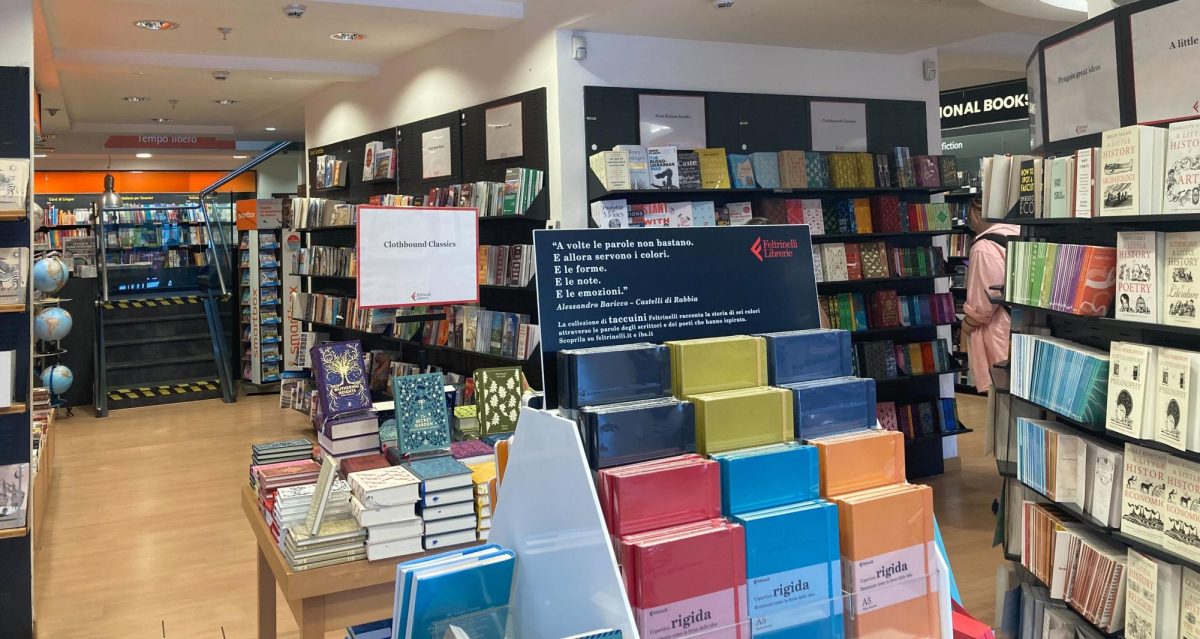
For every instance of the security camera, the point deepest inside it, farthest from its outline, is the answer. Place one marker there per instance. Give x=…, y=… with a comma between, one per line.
x=294, y=10
x=722, y=4
x=221, y=75
x=52, y=111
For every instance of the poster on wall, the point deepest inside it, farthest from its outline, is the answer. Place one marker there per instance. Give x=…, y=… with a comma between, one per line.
x=417, y=256
x=435, y=153
x=838, y=126
x=1033, y=87
x=1081, y=84
x=677, y=120
x=1166, y=54
x=503, y=135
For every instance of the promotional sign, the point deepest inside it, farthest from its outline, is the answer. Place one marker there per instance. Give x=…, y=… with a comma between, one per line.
x=985, y=105
x=1166, y=54
x=606, y=287
x=1081, y=84
x=838, y=126
x=435, y=153
x=291, y=327
x=259, y=214
x=672, y=120
x=167, y=141
x=505, y=131
x=416, y=256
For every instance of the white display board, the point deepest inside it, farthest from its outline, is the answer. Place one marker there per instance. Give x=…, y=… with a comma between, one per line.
x=1082, y=96
x=504, y=135
x=838, y=126
x=417, y=256
x=677, y=120
x=435, y=153
x=1166, y=56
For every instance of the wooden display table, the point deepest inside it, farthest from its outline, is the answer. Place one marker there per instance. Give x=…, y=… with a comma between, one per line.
x=324, y=598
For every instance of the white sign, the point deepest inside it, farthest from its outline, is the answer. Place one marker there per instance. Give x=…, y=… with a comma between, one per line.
x=1166, y=54
x=672, y=120
x=503, y=137
x=1033, y=82
x=839, y=126
x=435, y=153
x=1081, y=85
x=270, y=214
x=291, y=328
x=414, y=256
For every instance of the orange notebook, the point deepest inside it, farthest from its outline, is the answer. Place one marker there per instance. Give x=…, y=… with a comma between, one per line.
x=862, y=214
x=858, y=461
x=887, y=540
x=1097, y=281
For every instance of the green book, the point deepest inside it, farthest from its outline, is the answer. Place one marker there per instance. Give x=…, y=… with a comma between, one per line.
x=1048, y=275
x=499, y=392
x=717, y=363
x=736, y=419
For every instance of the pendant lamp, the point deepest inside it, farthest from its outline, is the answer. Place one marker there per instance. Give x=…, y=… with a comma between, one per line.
x=111, y=199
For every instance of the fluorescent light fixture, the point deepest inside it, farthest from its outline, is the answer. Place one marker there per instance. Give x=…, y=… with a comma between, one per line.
x=1069, y=5
x=156, y=25
x=143, y=156
x=347, y=36
x=135, y=98
x=270, y=128
x=240, y=157
x=226, y=101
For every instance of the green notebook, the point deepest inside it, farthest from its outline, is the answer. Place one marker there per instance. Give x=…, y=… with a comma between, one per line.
x=734, y=419
x=717, y=363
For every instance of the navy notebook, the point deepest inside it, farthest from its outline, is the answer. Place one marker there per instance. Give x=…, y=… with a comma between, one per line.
x=630, y=432
x=767, y=476
x=832, y=406
x=608, y=375
x=801, y=356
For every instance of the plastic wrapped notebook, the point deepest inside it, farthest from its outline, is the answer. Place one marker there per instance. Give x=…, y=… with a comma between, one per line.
x=833, y=406
x=858, y=461
x=801, y=356
x=729, y=420
x=767, y=476
x=660, y=493
x=718, y=363
x=633, y=432
x=611, y=374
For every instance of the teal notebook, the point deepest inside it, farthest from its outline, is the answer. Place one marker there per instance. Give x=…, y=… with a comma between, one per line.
x=767, y=476
x=405, y=571
x=422, y=419
x=471, y=593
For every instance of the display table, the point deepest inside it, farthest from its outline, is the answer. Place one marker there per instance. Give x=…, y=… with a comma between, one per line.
x=324, y=598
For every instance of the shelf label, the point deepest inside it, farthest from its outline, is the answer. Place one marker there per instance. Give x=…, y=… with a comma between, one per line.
x=1081, y=84
x=417, y=256
x=838, y=126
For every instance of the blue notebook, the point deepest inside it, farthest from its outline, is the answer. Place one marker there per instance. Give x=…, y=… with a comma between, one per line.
x=381, y=629
x=801, y=356
x=422, y=420
x=631, y=432
x=439, y=473
x=767, y=477
x=793, y=571
x=471, y=593
x=405, y=571
x=766, y=169
x=607, y=375
x=832, y=406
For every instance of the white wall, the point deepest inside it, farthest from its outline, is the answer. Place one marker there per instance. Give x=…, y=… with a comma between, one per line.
x=279, y=174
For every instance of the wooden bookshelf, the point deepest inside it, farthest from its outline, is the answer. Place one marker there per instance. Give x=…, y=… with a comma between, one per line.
x=12, y=533
x=12, y=308
x=16, y=214
x=16, y=409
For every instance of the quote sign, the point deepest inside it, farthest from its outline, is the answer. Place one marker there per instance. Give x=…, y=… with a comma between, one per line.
x=606, y=287
x=1081, y=84
x=417, y=256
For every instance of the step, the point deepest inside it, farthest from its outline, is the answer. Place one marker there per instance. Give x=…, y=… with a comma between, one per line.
x=158, y=340
x=154, y=373
x=187, y=359
x=118, y=321
x=157, y=350
x=171, y=392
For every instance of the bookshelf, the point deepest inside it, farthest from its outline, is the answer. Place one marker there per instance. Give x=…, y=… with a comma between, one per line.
x=259, y=306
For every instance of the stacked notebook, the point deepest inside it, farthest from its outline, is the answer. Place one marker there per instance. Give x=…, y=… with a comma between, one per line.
x=384, y=504
x=659, y=494
x=447, y=503
x=1050, y=372
x=292, y=502
x=282, y=451
x=806, y=355
x=831, y=406
x=767, y=476
x=859, y=461
x=464, y=589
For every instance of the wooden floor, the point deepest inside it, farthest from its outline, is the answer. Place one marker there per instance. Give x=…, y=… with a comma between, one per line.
x=144, y=537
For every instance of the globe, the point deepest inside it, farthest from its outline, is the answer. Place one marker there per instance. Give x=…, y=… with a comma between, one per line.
x=50, y=274
x=57, y=379
x=52, y=324
x=38, y=214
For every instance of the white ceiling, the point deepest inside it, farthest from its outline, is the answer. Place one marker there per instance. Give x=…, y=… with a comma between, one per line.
x=89, y=55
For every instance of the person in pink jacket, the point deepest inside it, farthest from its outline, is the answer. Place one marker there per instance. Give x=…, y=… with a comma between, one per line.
x=985, y=326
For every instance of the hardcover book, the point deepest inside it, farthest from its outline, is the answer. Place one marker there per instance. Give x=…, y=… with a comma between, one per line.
x=606, y=375
x=385, y=487
x=832, y=406
x=341, y=379
x=422, y=419
x=658, y=494
x=767, y=476
x=714, y=168
x=1131, y=392
x=716, y=364
x=639, y=166
x=766, y=169
x=1181, y=291
x=858, y=461
x=1182, y=189
x=928, y=172
x=793, y=172
x=804, y=355
x=1144, y=491
x=742, y=171
x=631, y=432
x=664, y=167
x=689, y=170
x=499, y=398
x=814, y=216
x=817, y=168
x=734, y=419
x=704, y=213
x=439, y=473
x=1140, y=256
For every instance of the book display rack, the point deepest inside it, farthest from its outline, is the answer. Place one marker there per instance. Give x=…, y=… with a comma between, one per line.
x=1095, y=425
x=260, y=264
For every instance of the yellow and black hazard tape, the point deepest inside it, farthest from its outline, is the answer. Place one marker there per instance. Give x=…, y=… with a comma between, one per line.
x=150, y=303
x=123, y=394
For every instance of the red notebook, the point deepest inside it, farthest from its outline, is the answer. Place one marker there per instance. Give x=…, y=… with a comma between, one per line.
x=626, y=545
x=660, y=494
x=795, y=211
x=365, y=462
x=853, y=262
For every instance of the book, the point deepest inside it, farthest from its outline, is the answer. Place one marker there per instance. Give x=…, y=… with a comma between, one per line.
x=384, y=487
x=734, y=419
x=1131, y=172
x=616, y=434
x=716, y=364
x=689, y=170
x=381, y=629
x=499, y=392
x=1140, y=257
x=766, y=169
x=1152, y=594
x=714, y=169
x=422, y=419
x=817, y=168
x=481, y=583
x=14, y=495
x=832, y=406
x=1176, y=421
x=664, y=167
x=742, y=171
x=805, y=355
x=606, y=375
x=739, y=213
x=1060, y=188
x=704, y=214
x=612, y=169
x=1027, y=194
x=859, y=461
x=368, y=517
x=1085, y=200
x=767, y=477
x=1180, y=288
x=1189, y=605
x=341, y=378
x=1181, y=190
x=439, y=473
x=1104, y=464
x=610, y=214
x=658, y=494
x=1181, y=523
x=1131, y=390
x=639, y=166
x=14, y=266
x=1144, y=489
x=793, y=172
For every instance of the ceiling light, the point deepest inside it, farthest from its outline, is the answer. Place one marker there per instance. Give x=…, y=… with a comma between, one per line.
x=226, y=101
x=135, y=98
x=240, y=157
x=39, y=155
x=1069, y=5
x=161, y=120
x=143, y=156
x=270, y=128
x=156, y=25
x=348, y=36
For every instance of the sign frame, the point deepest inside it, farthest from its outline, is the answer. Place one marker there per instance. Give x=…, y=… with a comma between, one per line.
x=694, y=106
x=367, y=210
x=838, y=134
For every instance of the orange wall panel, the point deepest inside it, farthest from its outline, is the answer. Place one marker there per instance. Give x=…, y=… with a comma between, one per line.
x=63, y=182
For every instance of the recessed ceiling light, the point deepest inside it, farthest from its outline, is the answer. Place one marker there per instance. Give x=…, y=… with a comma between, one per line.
x=156, y=25
x=270, y=128
x=161, y=120
x=135, y=98
x=240, y=157
x=226, y=101
x=270, y=77
x=143, y=156
x=348, y=36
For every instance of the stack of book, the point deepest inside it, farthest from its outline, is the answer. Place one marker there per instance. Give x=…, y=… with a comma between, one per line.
x=281, y=451
x=886, y=359
x=1156, y=501
x=443, y=595
x=291, y=505
x=315, y=212
x=1064, y=277
x=1154, y=277
x=512, y=197
x=384, y=504
x=349, y=436
x=324, y=538
x=479, y=330
x=268, y=478
x=447, y=504
x=343, y=414
x=482, y=474
x=337, y=261
x=510, y=265
x=338, y=311
x=1039, y=364
x=887, y=309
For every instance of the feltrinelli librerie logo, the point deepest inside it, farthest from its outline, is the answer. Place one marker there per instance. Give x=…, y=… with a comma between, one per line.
x=773, y=249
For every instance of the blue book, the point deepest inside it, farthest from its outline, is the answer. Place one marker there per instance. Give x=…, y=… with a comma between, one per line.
x=422, y=420
x=631, y=432
x=793, y=571
x=471, y=593
x=832, y=406
x=381, y=629
x=767, y=477
x=341, y=378
x=405, y=571
x=766, y=169
x=439, y=473
x=802, y=356
x=609, y=375
x=704, y=214
x=741, y=171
